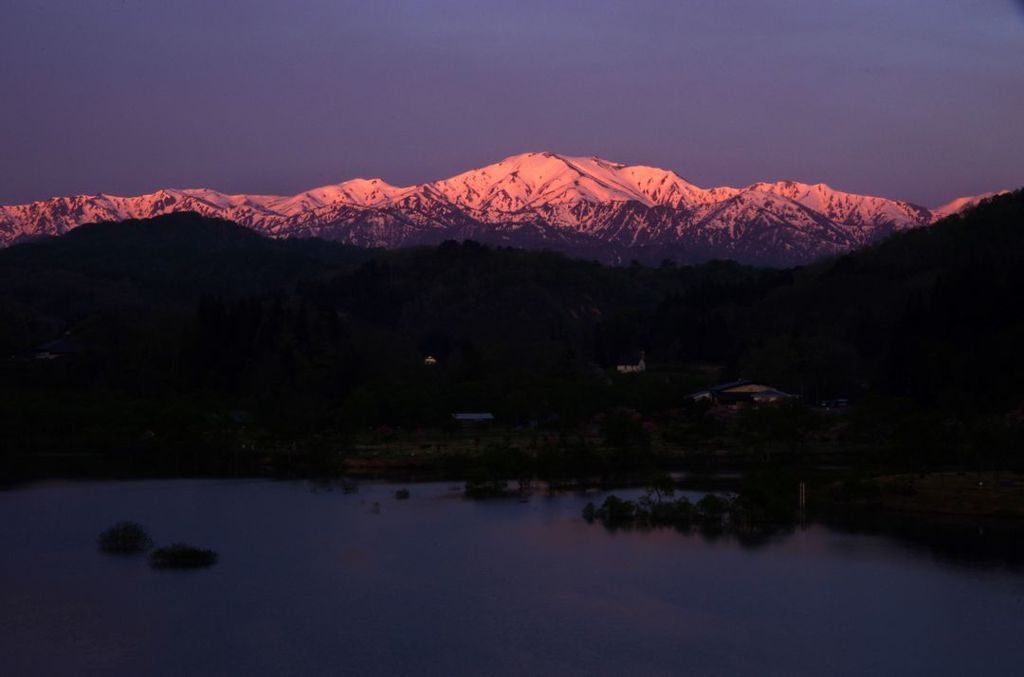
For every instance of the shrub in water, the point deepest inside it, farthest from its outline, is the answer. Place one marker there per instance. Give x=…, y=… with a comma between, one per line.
x=614, y=509
x=678, y=512
x=181, y=556
x=712, y=507
x=125, y=538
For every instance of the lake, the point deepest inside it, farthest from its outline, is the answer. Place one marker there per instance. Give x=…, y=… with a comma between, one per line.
x=316, y=581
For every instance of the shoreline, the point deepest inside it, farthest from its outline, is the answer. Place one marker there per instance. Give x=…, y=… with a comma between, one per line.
x=831, y=490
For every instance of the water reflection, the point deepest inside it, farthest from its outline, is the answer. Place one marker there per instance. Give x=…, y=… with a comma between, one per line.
x=961, y=541
x=323, y=579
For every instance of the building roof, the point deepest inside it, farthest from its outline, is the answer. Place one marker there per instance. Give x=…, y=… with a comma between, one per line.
x=751, y=388
x=771, y=394
x=729, y=385
x=473, y=416
x=739, y=390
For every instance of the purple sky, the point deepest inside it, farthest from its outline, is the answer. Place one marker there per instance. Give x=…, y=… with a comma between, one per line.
x=916, y=99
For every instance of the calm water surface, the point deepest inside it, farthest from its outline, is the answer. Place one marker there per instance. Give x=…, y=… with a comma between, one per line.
x=319, y=582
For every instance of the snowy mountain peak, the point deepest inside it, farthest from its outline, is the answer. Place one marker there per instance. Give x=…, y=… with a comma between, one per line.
x=847, y=208
x=962, y=203
x=360, y=192
x=540, y=199
x=533, y=179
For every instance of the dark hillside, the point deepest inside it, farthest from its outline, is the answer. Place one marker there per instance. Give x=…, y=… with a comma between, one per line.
x=182, y=326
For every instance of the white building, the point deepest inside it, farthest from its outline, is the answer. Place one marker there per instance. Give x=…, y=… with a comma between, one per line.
x=633, y=368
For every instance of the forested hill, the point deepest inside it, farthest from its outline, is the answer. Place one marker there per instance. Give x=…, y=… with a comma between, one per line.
x=316, y=334
x=52, y=285
x=934, y=313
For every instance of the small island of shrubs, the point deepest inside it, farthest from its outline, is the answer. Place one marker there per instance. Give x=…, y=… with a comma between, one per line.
x=710, y=511
x=764, y=504
x=182, y=556
x=125, y=538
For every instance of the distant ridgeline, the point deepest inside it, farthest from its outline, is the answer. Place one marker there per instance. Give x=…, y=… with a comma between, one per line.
x=179, y=320
x=584, y=206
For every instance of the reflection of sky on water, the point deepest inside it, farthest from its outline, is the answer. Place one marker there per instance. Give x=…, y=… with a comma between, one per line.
x=318, y=583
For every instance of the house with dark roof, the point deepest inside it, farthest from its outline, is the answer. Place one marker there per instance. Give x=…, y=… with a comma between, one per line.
x=739, y=391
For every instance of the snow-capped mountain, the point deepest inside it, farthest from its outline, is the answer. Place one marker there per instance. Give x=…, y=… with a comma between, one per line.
x=586, y=206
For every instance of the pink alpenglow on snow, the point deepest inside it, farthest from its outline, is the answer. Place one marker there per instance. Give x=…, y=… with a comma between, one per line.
x=582, y=205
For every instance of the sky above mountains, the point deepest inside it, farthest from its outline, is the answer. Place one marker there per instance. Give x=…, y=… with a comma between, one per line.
x=919, y=100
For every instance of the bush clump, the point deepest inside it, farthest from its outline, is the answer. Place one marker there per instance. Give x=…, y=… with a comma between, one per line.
x=712, y=509
x=614, y=510
x=402, y=494
x=182, y=556
x=709, y=512
x=679, y=512
x=125, y=538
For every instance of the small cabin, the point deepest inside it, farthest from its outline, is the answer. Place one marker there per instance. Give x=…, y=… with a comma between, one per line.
x=735, y=392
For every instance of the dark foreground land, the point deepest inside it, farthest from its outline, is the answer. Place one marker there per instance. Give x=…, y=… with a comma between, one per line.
x=184, y=346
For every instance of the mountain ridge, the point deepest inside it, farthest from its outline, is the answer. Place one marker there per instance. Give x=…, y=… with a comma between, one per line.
x=580, y=205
